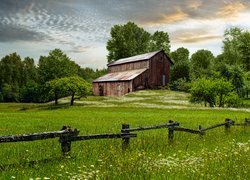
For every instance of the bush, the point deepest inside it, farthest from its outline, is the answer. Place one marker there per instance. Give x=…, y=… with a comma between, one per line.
x=233, y=100
x=180, y=85
x=215, y=92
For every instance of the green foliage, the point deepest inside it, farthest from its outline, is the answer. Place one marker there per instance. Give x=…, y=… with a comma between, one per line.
x=244, y=48
x=69, y=86
x=201, y=63
x=215, y=92
x=129, y=40
x=180, y=84
x=233, y=100
x=180, y=55
x=236, y=47
x=181, y=70
x=230, y=46
x=11, y=70
x=56, y=65
x=30, y=92
x=10, y=93
x=160, y=40
x=90, y=74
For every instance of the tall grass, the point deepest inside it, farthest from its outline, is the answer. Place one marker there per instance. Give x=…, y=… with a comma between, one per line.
x=217, y=155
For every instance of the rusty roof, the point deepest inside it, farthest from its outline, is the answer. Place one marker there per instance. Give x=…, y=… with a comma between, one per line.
x=140, y=57
x=120, y=76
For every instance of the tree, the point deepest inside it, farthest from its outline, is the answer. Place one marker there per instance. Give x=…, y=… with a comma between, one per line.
x=73, y=86
x=181, y=69
x=244, y=48
x=230, y=46
x=56, y=65
x=201, y=62
x=180, y=55
x=11, y=80
x=29, y=71
x=127, y=40
x=160, y=40
x=215, y=92
x=202, y=90
x=11, y=69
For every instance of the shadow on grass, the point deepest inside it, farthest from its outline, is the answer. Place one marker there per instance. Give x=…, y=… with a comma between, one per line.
x=47, y=106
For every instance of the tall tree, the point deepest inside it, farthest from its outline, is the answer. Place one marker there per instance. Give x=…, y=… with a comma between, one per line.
x=180, y=55
x=231, y=53
x=56, y=65
x=127, y=40
x=29, y=72
x=244, y=48
x=201, y=62
x=160, y=40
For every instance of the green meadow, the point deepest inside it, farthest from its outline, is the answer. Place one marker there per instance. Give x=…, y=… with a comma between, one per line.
x=217, y=155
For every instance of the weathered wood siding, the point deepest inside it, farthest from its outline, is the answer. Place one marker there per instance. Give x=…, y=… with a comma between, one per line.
x=129, y=66
x=159, y=67
x=112, y=88
x=141, y=81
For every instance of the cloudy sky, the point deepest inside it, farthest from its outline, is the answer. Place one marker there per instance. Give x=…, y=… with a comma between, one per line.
x=81, y=27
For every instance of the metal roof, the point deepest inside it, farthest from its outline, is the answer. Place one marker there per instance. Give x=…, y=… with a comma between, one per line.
x=120, y=76
x=140, y=57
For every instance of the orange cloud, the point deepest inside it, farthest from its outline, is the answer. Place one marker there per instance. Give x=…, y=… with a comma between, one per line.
x=231, y=10
x=194, y=36
x=194, y=4
x=177, y=16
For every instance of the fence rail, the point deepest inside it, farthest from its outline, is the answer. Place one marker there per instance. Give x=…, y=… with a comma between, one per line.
x=67, y=135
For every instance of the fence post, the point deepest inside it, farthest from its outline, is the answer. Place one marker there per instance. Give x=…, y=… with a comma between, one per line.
x=201, y=132
x=227, y=125
x=65, y=139
x=125, y=140
x=170, y=132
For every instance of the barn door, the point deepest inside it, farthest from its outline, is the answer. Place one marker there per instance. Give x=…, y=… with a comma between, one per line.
x=101, y=93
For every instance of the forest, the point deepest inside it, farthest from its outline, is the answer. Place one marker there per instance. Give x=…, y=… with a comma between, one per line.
x=222, y=80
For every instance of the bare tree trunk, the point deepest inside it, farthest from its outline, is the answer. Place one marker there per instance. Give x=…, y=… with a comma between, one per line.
x=72, y=99
x=56, y=98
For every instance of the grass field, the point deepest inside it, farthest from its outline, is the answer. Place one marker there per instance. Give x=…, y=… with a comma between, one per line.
x=215, y=156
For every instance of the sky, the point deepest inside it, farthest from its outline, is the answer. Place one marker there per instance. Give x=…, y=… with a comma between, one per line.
x=81, y=28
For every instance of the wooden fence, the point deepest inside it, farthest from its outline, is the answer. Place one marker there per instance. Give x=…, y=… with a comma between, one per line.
x=67, y=135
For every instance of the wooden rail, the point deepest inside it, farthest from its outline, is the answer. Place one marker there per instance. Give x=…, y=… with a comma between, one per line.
x=36, y=136
x=227, y=124
x=67, y=135
x=167, y=125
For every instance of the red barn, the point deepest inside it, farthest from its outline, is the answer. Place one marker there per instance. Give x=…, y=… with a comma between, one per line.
x=126, y=75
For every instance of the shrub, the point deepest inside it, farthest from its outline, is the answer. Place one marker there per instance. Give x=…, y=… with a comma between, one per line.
x=233, y=100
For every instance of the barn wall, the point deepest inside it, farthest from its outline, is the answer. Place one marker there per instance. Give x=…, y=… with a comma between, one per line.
x=159, y=66
x=113, y=88
x=128, y=66
x=141, y=81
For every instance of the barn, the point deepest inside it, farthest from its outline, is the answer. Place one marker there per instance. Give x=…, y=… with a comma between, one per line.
x=126, y=75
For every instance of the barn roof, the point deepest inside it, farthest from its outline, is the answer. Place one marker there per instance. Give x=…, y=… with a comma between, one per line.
x=120, y=76
x=140, y=57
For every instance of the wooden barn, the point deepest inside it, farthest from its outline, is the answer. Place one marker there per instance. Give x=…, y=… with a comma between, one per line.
x=126, y=75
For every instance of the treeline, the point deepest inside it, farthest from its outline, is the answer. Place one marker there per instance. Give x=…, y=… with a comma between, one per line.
x=55, y=76
x=216, y=81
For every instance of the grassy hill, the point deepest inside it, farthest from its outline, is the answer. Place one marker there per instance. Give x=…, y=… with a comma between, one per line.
x=150, y=156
